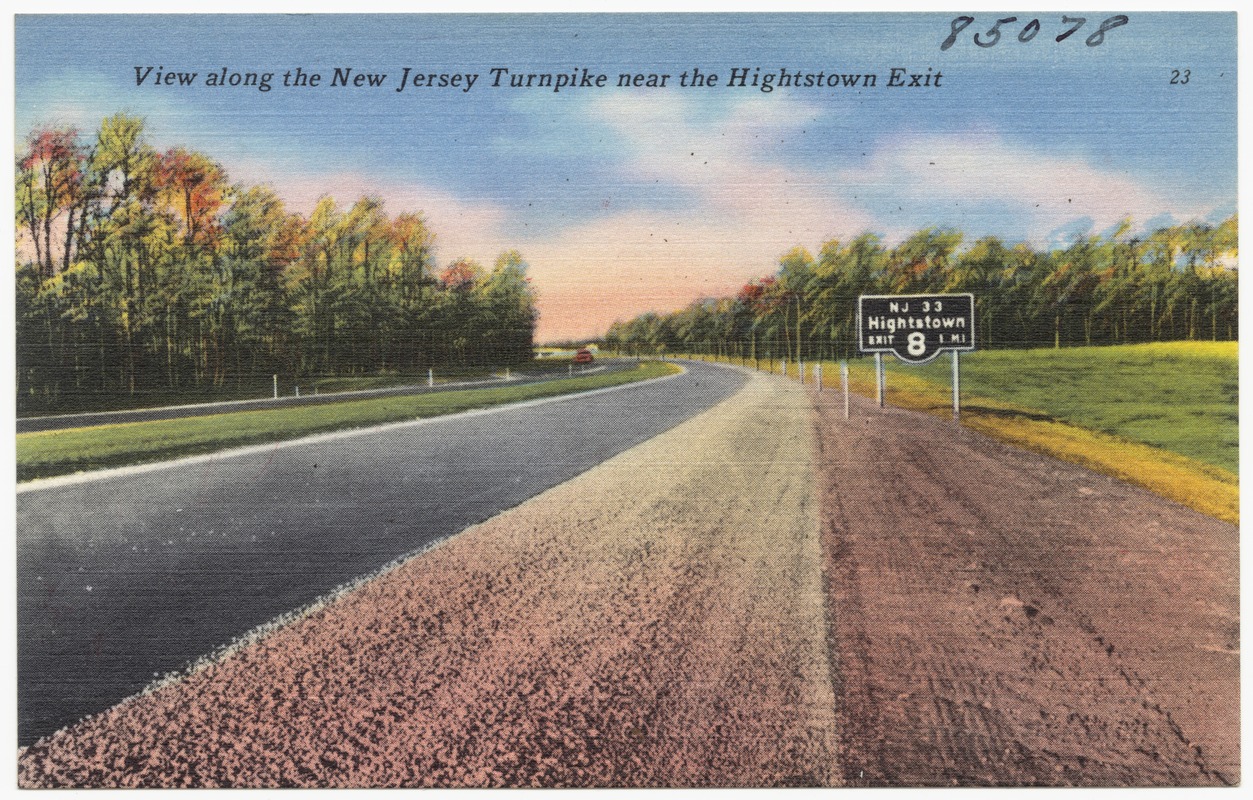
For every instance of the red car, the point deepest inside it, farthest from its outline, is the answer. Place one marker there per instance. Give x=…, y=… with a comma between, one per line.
x=583, y=356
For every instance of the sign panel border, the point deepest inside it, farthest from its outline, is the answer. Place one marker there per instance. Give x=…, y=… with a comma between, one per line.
x=889, y=349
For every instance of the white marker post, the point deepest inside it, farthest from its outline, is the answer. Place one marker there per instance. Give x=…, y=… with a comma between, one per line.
x=880, y=381
x=784, y=371
x=430, y=377
x=800, y=371
x=957, y=382
x=275, y=387
x=818, y=375
x=844, y=385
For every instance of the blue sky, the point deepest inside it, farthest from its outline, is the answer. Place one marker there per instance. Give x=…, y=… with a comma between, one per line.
x=626, y=200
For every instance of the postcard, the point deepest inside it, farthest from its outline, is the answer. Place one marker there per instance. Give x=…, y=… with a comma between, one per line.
x=626, y=400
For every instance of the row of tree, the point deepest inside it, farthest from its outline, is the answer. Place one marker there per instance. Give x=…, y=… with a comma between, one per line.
x=141, y=271
x=1177, y=283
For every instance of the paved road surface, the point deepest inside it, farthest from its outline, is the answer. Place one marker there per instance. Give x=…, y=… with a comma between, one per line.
x=124, y=578
x=656, y=621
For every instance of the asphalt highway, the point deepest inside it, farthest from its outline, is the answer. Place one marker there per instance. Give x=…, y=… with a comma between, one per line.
x=129, y=577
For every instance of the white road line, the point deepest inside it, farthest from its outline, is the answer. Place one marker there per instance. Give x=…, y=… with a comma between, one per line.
x=41, y=484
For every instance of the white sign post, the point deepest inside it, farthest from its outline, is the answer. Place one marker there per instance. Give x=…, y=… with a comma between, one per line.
x=879, y=378
x=957, y=382
x=844, y=385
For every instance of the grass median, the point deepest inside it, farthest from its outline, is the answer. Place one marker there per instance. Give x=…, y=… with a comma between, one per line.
x=49, y=453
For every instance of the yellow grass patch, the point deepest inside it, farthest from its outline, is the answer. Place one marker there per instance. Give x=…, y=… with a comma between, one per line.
x=1201, y=487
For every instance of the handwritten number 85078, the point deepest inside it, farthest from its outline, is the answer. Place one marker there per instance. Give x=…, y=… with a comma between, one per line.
x=1029, y=31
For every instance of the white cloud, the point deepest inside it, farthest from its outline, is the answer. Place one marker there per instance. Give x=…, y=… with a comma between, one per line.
x=745, y=211
x=462, y=227
x=724, y=162
x=1042, y=191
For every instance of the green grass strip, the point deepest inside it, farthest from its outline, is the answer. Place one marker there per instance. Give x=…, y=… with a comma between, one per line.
x=1161, y=416
x=1179, y=396
x=1201, y=486
x=48, y=453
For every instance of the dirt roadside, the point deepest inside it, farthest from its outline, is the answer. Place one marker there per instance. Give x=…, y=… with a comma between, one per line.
x=658, y=620
x=1004, y=618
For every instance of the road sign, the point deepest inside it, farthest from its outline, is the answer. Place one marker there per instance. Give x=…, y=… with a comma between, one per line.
x=916, y=327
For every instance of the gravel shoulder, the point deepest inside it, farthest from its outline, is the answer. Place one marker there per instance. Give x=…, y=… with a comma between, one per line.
x=1004, y=618
x=658, y=620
